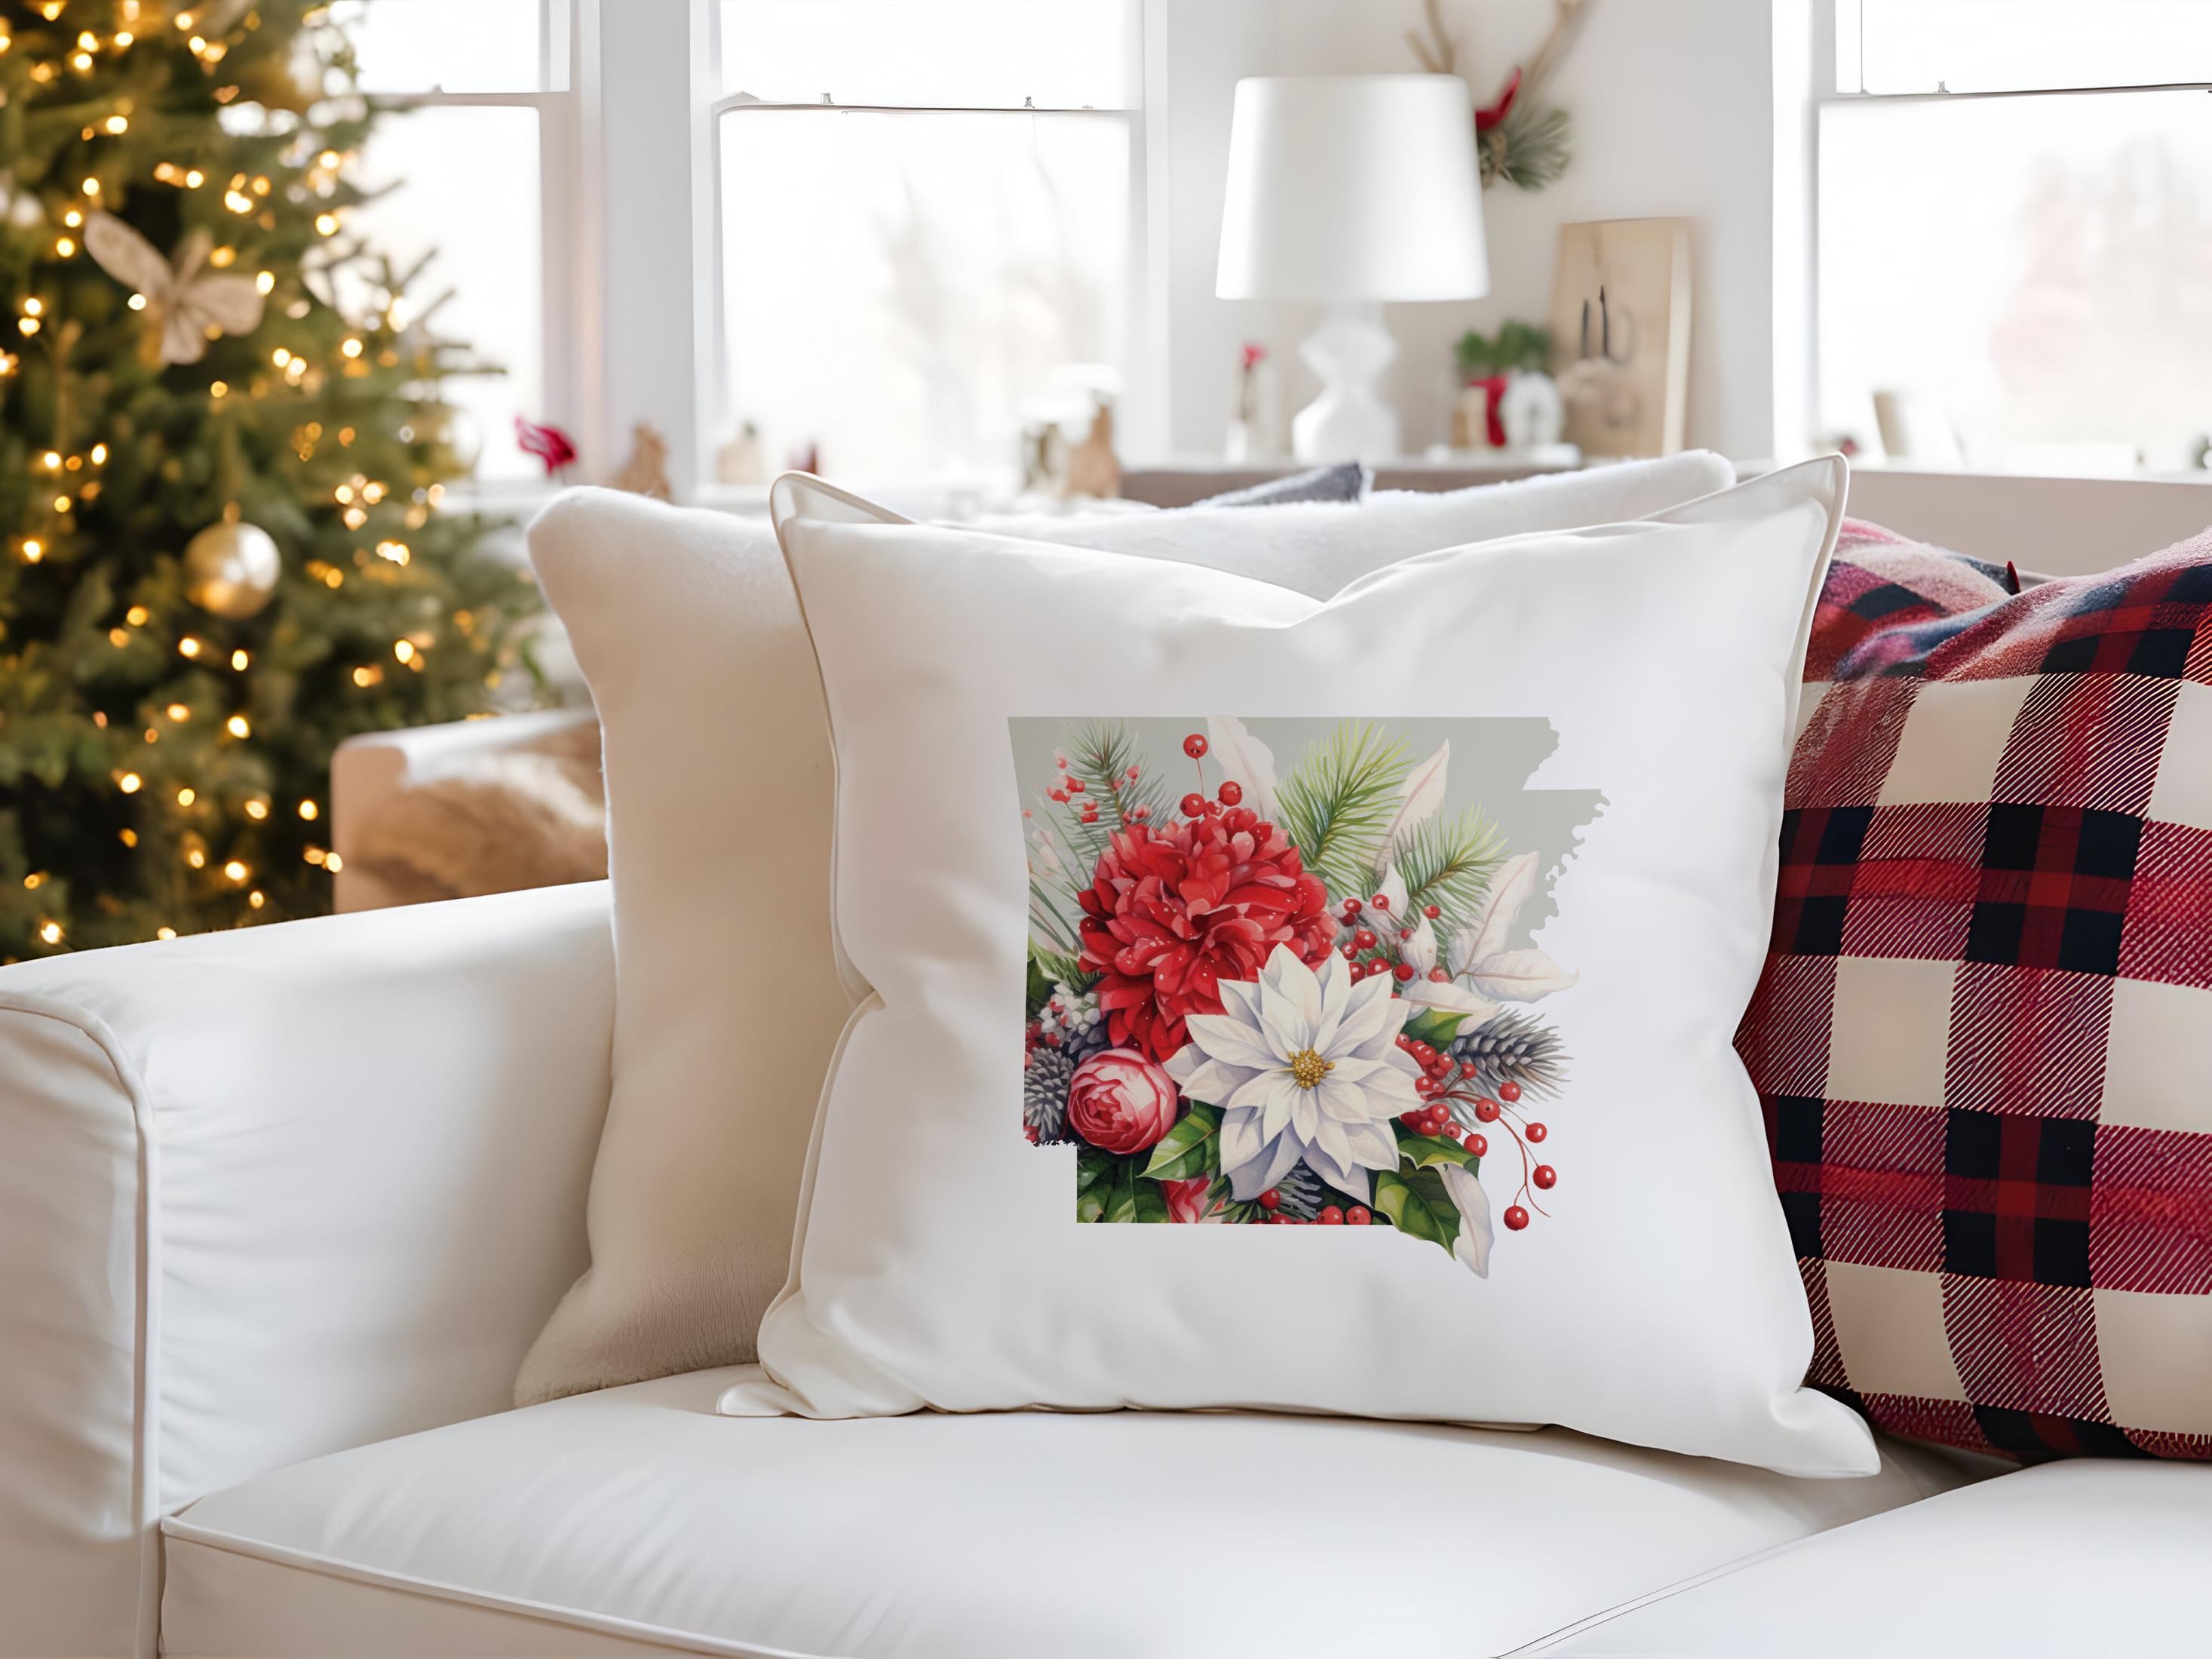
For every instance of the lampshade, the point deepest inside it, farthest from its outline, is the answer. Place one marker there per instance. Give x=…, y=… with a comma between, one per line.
x=1352, y=187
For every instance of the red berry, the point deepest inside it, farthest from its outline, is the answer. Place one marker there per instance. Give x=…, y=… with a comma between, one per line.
x=1545, y=1176
x=1404, y=970
x=1350, y=951
x=1509, y=1091
x=1075, y=786
x=1486, y=1110
x=1136, y=772
x=1230, y=793
x=1440, y=976
x=1352, y=906
x=1194, y=746
x=1357, y=1216
x=1432, y=911
x=1380, y=901
x=1422, y=1052
x=1425, y=1086
x=1365, y=939
x=1477, y=1144
x=1194, y=805
x=1330, y=1216
x=1414, y=1119
x=1271, y=1198
x=1448, y=1129
x=1060, y=795
x=1535, y=1132
x=1515, y=1216
x=1139, y=813
x=1467, y=1068
x=1091, y=815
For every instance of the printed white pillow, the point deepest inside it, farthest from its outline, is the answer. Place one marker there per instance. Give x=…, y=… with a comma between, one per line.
x=717, y=765
x=1184, y=898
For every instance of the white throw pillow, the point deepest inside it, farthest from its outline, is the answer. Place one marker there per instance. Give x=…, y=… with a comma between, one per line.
x=718, y=801
x=1271, y=867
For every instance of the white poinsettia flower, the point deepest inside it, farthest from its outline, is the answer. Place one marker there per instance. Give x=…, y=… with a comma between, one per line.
x=1472, y=1248
x=1304, y=1064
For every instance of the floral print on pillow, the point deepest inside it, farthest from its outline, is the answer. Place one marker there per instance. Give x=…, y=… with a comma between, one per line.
x=1295, y=998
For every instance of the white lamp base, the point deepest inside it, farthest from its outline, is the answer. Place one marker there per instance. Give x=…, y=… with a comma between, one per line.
x=1349, y=422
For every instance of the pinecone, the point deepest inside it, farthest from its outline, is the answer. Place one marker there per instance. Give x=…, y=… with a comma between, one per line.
x=1516, y=1047
x=1302, y=1192
x=1076, y=1019
x=1045, y=1077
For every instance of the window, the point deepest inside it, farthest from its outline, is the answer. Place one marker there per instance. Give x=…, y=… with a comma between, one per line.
x=2015, y=229
x=472, y=152
x=928, y=236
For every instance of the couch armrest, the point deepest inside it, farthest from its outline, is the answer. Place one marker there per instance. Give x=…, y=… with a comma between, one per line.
x=369, y=769
x=268, y=1195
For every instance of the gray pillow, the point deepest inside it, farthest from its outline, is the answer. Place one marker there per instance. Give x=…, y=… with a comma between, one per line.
x=1346, y=481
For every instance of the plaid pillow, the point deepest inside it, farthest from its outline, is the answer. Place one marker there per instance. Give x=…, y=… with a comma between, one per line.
x=1984, y=1038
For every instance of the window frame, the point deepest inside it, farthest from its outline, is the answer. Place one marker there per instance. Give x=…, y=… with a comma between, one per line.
x=560, y=231
x=1824, y=61
x=1140, y=411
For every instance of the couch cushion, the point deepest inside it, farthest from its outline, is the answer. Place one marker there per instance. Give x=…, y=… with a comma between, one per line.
x=636, y=1514
x=2068, y=1558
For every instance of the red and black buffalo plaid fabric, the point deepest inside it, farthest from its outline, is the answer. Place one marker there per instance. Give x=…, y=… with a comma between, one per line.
x=1984, y=1038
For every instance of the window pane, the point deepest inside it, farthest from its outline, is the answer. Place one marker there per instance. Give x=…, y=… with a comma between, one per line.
x=445, y=46
x=975, y=53
x=1976, y=45
x=900, y=288
x=2039, y=269
x=484, y=278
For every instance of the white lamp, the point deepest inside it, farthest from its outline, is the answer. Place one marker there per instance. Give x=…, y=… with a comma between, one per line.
x=1355, y=189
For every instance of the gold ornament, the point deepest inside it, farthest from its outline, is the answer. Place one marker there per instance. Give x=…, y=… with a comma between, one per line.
x=231, y=569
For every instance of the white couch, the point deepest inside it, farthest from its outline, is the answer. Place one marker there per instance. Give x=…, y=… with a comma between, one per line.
x=283, y=1209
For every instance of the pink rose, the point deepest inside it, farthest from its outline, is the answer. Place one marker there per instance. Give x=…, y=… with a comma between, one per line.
x=1186, y=1200
x=1121, y=1101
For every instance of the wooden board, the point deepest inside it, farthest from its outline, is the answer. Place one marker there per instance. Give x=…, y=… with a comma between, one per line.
x=1620, y=334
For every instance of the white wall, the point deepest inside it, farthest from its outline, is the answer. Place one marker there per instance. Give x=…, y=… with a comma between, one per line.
x=1672, y=102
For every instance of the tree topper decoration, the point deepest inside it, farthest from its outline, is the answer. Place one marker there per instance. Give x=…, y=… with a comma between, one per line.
x=185, y=305
x=1518, y=141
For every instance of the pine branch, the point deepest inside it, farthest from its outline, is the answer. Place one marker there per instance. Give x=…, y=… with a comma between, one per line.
x=1101, y=754
x=1335, y=806
x=1449, y=863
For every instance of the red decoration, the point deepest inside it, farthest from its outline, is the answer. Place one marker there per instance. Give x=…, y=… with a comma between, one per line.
x=1194, y=805
x=1517, y=1218
x=1534, y=1132
x=1120, y=1101
x=1172, y=911
x=1509, y=1091
x=1194, y=746
x=552, y=445
x=1229, y=794
x=1358, y=1216
x=1546, y=1177
x=1490, y=115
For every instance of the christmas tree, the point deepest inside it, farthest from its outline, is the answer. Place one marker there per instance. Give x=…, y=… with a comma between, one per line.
x=222, y=453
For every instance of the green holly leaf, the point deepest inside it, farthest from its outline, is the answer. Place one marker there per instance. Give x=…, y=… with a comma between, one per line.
x=1434, y=1026
x=1094, y=1182
x=1416, y=1202
x=1192, y=1148
x=1427, y=1151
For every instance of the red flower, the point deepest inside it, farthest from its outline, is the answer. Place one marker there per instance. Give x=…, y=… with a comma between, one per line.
x=1173, y=910
x=1186, y=1200
x=1119, y=1102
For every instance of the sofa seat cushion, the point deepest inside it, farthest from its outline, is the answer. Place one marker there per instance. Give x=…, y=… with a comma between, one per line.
x=2064, y=1559
x=635, y=1519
